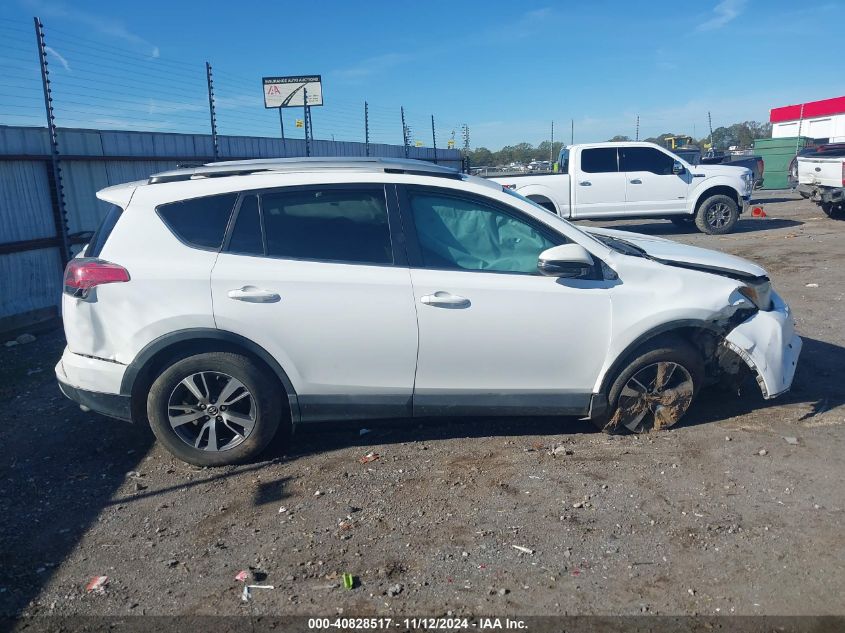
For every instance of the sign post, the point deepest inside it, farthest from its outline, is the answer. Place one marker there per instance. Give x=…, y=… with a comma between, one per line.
x=293, y=92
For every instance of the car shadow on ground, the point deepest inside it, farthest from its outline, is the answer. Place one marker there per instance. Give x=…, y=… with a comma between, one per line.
x=667, y=228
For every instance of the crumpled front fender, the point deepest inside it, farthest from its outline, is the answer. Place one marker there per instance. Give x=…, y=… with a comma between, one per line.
x=768, y=344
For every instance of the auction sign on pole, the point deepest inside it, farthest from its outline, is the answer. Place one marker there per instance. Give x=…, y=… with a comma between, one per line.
x=287, y=92
x=293, y=92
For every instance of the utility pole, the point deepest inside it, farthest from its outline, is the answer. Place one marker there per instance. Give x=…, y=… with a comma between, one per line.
x=800, y=125
x=366, y=129
x=59, y=210
x=210, y=81
x=638, y=128
x=404, y=131
x=465, y=134
x=433, y=139
x=552, y=146
x=572, y=133
x=710, y=125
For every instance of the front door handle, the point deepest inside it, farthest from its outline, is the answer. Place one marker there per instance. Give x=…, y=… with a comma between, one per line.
x=636, y=181
x=251, y=294
x=443, y=299
x=585, y=183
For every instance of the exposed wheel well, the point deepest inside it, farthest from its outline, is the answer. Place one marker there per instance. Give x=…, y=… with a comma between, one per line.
x=543, y=201
x=701, y=337
x=719, y=190
x=146, y=371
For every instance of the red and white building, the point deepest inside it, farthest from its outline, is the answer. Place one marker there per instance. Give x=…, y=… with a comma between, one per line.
x=824, y=120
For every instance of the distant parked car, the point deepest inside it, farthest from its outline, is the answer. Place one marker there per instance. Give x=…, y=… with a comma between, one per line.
x=225, y=302
x=821, y=178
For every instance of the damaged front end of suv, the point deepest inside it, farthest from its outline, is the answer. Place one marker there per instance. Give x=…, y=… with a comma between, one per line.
x=724, y=306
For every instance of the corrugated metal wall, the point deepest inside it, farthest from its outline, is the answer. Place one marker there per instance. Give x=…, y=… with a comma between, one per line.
x=31, y=280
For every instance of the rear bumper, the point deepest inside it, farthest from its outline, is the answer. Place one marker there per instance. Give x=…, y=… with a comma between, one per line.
x=767, y=342
x=94, y=383
x=112, y=405
x=818, y=193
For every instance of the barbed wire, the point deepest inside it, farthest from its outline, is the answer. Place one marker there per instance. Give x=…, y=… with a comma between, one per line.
x=97, y=85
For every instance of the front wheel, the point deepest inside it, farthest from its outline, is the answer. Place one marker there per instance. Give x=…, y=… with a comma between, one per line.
x=214, y=409
x=717, y=215
x=655, y=389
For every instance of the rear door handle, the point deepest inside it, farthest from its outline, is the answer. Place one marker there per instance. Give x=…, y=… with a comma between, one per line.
x=636, y=181
x=443, y=299
x=585, y=183
x=251, y=294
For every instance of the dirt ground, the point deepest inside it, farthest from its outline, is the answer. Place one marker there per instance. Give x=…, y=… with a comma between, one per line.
x=720, y=515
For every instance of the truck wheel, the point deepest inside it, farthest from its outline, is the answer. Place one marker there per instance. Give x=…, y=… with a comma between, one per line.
x=655, y=389
x=717, y=215
x=830, y=209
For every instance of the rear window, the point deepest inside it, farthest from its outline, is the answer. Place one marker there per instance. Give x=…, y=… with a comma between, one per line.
x=330, y=225
x=199, y=222
x=600, y=160
x=95, y=246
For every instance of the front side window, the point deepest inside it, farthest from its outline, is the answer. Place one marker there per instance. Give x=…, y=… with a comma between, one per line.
x=599, y=160
x=646, y=159
x=463, y=234
x=200, y=221
x=328, y=224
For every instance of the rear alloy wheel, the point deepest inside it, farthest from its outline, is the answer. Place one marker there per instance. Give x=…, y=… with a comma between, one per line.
x=717, y=215
x=655, y=390
x=214, y=409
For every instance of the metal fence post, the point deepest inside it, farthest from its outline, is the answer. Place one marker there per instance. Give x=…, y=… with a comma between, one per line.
x=282, y=126
x=59, y=210
x=433, y=139
x=404, y=131
x=366, y=129
x=305, y=121
x=211, y=111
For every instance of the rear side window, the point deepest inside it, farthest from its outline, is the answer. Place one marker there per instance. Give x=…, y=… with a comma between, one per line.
x=645, y=159
x=333, y=225
x=95, y=246
x=600, y=160
x=199, y=222
x=246, y=234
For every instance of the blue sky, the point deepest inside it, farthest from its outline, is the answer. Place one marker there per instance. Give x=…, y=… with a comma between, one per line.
x=507, y=69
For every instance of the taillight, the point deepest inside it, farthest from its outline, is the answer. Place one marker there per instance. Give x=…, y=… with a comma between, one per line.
x=85, y=273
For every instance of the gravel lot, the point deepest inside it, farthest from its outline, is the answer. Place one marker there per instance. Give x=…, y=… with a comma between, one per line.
x=720, y=515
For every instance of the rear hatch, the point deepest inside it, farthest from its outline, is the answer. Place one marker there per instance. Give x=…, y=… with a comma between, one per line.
x=824, y=172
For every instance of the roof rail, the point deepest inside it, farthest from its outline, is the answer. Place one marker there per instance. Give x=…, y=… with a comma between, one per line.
x=290, y=165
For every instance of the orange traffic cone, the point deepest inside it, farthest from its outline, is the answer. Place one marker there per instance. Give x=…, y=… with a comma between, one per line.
x=757, y=212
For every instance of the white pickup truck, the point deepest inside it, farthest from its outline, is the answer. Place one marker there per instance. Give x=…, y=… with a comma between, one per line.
x=822, y=179
x=638, y=180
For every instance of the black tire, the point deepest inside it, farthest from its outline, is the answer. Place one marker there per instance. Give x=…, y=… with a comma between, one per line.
x=262, y=405
x=831, y=210
x=717, y=215
x=671, y=350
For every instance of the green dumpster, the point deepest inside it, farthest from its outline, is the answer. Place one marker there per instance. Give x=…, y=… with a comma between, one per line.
x=777, y=153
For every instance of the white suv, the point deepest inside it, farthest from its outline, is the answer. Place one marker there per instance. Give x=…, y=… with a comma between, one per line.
x=225, y=302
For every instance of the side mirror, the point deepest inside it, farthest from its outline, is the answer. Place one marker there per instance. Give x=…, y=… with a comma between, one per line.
x=566, y=260
x=678, y=168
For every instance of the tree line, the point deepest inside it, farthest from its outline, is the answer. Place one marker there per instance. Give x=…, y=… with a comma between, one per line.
x=739, y=134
